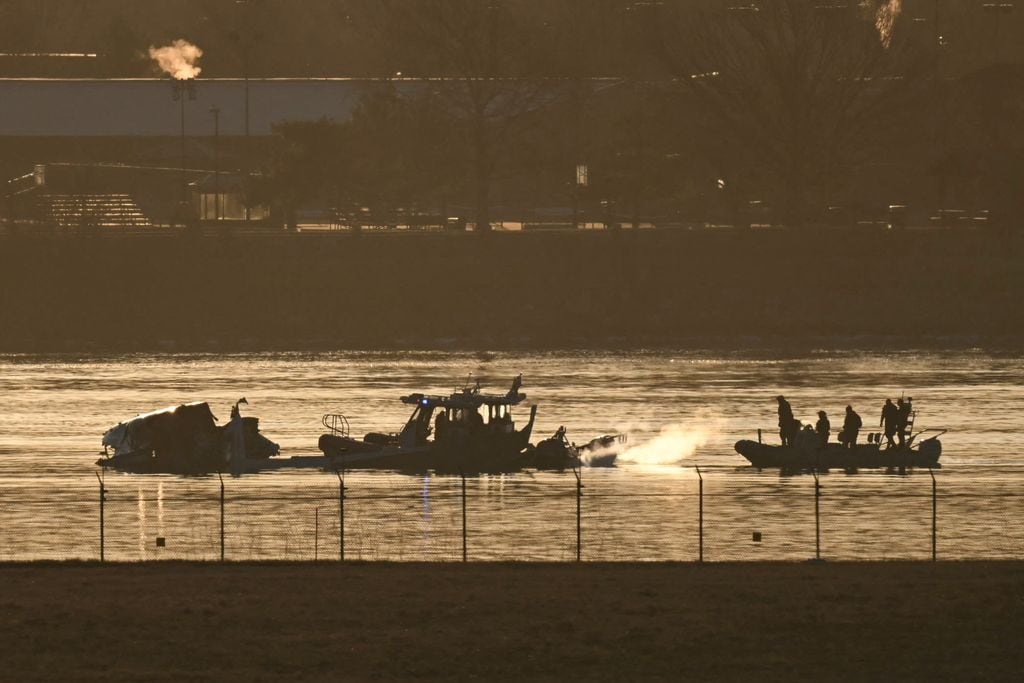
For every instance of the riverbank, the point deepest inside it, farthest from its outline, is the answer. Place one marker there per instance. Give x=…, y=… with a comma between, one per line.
x=170, y=621
x=646, y=289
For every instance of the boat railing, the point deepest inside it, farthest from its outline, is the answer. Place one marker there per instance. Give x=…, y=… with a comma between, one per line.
x=936, y=435
x=336, y=424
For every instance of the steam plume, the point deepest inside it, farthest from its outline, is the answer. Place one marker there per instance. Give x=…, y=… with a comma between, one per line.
x=885, y=14
x=177, y=59
x=673, y=444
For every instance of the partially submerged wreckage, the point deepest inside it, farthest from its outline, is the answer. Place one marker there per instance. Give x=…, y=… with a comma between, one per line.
x=186, y=439
x=467, y=431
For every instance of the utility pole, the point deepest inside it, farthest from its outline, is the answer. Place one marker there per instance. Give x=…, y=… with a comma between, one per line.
x=999, y=11
x=248, y=151
x=182, y=89
x=938, y=45
x=244, y=36
x=216, y=162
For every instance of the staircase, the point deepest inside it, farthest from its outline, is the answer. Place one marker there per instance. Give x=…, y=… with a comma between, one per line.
x=109, y=211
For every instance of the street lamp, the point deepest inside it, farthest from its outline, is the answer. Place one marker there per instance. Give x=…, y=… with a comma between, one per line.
x=216, y=162
x=244, y=37
x=998, y=10
x=183, y=89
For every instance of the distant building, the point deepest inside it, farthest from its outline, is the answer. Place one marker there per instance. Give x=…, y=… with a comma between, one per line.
x=109, y=153
x=147, y=108
x=221, y=197
x=83, y=197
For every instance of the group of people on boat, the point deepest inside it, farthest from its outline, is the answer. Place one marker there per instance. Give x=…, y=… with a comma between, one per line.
x=895, y=421
x=456, y=424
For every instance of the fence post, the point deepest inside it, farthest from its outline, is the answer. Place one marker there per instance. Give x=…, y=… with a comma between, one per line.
x=817, y=517
x=465, y=549
x=341, y=514
x=103, y=500
x=221, y=516
x=579, y=504
x=700, y=515
x=935, y=516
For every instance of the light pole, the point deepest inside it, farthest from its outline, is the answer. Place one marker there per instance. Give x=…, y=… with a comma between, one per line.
x=998, y=10
x=244, y=36
x=943, y=94
x=248, y=162
x=216, y=162
x=183, y=89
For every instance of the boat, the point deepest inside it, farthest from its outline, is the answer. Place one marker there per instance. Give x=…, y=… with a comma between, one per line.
x=467, y=431
x=807, y=454
x=186, y=439
x=558, y=453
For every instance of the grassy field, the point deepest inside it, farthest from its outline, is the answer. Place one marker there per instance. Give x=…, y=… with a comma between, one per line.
x=242, y=622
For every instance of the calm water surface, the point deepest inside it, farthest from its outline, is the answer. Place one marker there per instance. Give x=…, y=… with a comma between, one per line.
x=57, y=407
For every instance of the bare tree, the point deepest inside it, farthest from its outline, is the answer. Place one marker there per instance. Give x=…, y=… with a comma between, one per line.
x=791, y=95
x=476, y=56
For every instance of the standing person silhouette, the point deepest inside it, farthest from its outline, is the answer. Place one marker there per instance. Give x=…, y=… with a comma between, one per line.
x=903, y=409
x=786, y=421
x=823, y=428
x=890, y=422
x=851, y=428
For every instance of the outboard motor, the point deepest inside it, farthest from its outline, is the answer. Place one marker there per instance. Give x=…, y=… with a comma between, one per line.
x=930, y=450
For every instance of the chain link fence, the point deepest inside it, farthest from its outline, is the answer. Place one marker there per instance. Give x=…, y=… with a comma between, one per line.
x=704, y=515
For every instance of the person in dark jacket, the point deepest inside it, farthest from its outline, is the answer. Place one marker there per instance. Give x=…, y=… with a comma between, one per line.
x=786, y=421
x=890, y=422
x=904, y=410
x=851, y=427
x=823, y=428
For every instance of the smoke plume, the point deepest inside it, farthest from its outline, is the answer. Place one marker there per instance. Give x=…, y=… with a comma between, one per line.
x=884, y=13
x=177, y=59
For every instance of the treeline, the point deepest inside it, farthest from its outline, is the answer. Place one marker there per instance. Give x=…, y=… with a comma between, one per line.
x=598, y=289
x=784, y=112
x=795, y=114
x=284, y=38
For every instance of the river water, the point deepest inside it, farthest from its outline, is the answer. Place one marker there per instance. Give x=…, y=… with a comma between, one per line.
x=682, y=410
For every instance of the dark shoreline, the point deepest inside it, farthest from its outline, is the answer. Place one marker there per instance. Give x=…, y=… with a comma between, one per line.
x=742, y=347
x=597, y=622
x=539, y=291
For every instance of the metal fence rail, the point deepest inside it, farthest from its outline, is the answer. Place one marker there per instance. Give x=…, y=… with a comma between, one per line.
x=709, y=516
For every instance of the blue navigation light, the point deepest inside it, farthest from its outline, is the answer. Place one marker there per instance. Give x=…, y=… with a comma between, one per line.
x=424, y=401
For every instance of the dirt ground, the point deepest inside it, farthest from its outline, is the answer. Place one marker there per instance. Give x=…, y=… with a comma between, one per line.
x=248, y=622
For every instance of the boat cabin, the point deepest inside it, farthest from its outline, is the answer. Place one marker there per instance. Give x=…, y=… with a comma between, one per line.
x=464, y=415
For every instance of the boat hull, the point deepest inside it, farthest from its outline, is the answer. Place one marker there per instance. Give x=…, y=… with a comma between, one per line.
x=498, y=455
x=148, y=463
x=836, y=456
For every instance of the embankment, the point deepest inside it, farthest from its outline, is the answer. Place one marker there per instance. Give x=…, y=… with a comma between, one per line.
x=543, y=290
x=807, y=622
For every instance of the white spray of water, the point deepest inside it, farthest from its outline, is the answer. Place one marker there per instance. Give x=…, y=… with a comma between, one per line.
x=885, y=15
x=177, y=59
x=673, y=444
